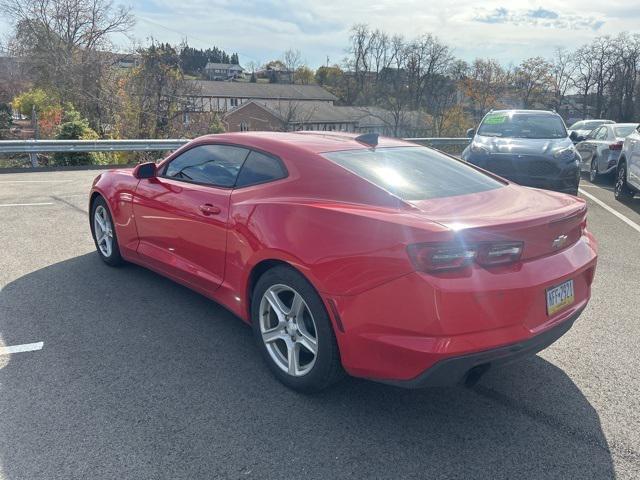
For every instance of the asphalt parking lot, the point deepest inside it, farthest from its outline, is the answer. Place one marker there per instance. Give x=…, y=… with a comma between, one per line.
x=140, y=378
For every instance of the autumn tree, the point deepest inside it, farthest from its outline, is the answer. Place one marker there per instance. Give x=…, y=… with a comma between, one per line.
x=534, y=81
x=63, y=44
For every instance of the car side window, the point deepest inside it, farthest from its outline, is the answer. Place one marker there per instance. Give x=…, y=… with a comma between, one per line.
x=216, y=165
x=260, y=168
x=601, y=134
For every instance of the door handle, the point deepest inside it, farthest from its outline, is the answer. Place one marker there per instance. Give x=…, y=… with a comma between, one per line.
x=208, y=209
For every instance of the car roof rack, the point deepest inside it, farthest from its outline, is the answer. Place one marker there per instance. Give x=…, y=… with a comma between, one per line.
x=370, y=139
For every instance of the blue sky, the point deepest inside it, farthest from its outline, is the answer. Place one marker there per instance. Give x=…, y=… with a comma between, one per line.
x=261, y=30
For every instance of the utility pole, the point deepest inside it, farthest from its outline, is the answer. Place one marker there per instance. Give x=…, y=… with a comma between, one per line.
x=34, y=123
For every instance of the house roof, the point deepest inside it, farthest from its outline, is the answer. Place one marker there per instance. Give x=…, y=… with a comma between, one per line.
x=223, y=66
x=271, y=91
x=305, y=113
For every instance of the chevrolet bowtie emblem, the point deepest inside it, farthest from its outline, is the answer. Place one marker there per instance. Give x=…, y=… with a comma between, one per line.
x=559, y=241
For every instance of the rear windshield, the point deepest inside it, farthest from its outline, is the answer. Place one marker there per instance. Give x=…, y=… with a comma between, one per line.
x=522, y=125
x=414, y=173
x=625, y=131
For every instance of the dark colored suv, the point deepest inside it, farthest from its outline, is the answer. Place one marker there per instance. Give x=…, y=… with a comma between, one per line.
x=529, y=147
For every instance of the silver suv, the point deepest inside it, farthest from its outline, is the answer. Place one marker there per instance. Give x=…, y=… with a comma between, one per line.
x=628, y=169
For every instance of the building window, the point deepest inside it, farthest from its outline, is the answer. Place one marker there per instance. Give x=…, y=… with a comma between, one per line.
x=234, y=102
x=244, y=127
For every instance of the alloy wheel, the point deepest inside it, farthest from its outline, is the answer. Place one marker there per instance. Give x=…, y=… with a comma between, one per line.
x=621, y=180
x=288, y=330
x=103, y=231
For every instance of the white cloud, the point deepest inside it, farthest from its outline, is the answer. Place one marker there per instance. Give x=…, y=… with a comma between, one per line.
x=261, y=30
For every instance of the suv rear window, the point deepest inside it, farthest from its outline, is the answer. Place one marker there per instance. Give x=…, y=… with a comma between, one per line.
x=414, y=173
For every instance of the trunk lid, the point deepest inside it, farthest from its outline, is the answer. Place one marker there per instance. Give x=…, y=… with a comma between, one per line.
x=545, y=221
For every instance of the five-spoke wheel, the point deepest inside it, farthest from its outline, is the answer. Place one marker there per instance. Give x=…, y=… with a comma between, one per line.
x=294, y=331
x=288, y=330
x=104, y=235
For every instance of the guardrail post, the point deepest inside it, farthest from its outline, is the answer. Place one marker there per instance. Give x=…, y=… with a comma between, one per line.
x=33, y=157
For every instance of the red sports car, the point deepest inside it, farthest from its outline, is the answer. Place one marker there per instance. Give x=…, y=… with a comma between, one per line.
x=378, y=257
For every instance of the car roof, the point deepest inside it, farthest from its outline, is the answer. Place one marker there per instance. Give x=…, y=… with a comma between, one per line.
x=515, y=110
x=628, y=124
x=309, y=141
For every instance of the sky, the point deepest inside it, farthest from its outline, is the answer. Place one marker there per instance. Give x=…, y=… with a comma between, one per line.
x=259, y=31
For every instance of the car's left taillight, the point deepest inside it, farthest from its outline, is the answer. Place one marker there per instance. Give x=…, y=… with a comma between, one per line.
x=439, y=257
x=616, y=146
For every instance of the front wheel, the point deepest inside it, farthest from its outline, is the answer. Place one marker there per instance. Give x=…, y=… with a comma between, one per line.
x=294, y=332
x=104, y=235
x=622, y=191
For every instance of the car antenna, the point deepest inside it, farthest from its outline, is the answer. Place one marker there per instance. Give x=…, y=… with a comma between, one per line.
x=370, y=139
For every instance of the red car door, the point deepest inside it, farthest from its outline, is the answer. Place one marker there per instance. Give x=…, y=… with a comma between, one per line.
x=182, y=214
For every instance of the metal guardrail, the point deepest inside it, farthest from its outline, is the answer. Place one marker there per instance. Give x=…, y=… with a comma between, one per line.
x=33, y=147
x=71, y=146
x=441, y=141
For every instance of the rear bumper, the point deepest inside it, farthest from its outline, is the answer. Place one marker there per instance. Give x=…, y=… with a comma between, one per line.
x=468, y=368
x=400, y=330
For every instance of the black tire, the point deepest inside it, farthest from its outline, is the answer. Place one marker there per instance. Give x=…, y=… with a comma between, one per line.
x=113, y=258
x=622, y=192
x=326, y=368
x=593, y=171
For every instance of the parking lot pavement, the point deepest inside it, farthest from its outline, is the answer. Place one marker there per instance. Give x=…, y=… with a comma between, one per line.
x=138, y=377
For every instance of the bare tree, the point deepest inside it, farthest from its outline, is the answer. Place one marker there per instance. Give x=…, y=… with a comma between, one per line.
x=562, y=70
x=533, y=79
x=292, y=60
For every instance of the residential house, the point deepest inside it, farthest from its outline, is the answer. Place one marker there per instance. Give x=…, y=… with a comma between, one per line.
x=223, y=71
x=212, y=96
x=294, y=115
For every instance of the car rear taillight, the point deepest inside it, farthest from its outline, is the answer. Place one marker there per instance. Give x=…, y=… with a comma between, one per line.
x=616, y=146
x=438, y=257
x=499, y=253
x=430, y=257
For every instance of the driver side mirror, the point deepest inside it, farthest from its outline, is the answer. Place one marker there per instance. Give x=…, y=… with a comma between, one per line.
x=573, y=136
x=145, y=170
x=471, y=132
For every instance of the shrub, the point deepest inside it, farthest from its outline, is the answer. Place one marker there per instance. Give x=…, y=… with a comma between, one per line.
x=74, y=127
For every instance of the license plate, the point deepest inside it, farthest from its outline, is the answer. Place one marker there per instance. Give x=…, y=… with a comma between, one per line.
x=560, y=297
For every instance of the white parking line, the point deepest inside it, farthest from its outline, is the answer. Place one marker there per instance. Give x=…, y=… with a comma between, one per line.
x=629, y=222
x=26, y=347
x=36, y=181
x=25, y=204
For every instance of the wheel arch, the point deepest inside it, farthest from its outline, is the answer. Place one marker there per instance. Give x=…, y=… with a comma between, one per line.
x=260, y=269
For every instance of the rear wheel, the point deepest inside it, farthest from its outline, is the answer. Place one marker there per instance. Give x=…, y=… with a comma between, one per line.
x=104, y=235
x=593, y=171
x=622, y=191
x=294, y=332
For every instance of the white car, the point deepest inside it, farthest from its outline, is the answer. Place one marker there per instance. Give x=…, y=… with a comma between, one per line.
x=600, y=151
x=628, y=170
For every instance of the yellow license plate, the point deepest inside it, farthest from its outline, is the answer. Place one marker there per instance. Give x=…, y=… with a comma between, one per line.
x=560, y=297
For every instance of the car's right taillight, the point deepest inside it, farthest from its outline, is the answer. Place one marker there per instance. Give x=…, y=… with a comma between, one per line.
x=490, y=254
x=439, y=257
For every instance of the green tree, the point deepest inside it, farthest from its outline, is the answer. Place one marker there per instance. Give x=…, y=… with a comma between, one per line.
x=39, y=98
x=74, y=127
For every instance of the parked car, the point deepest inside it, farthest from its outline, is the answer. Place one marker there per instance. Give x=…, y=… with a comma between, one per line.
x=579, y=130
x=600, y=150
x=529, y=147
x=628, y=170
x=379, y=257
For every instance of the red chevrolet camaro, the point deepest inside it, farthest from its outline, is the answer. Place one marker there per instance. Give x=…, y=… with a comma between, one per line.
x=378, y=257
